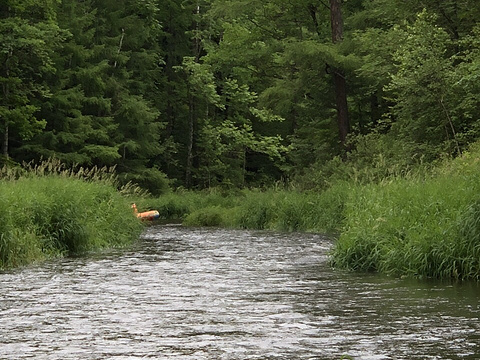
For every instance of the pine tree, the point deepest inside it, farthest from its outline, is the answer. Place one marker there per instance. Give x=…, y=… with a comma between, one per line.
x=29, y=36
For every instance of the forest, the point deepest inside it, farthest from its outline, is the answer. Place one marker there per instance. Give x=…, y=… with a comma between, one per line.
x=198, y=94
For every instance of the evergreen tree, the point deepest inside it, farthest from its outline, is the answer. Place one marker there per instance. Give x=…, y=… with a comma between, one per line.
x=101, y=110
x=80, y=127
x=29, y=36
x=213, y=92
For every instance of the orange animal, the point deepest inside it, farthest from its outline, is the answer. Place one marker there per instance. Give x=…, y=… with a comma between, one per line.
x=146, y=215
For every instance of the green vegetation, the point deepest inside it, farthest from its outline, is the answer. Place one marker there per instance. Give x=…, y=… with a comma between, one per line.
x=350, y=105
x=254, y=209
x=48, y=213
x=412, y=225
x=239, y=94
x=425, y=227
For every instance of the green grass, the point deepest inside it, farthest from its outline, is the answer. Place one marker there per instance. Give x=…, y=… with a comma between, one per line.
x=48, y=212
x=428, y=228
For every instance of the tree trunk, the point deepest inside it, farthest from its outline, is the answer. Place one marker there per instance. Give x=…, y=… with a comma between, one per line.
x=5, y=142
x=6, y=95
x=191, y=129
x=339, y=77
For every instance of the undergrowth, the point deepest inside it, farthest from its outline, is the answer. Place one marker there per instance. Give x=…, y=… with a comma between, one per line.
x=255, y=209
x=50, y=211
x=427, y=228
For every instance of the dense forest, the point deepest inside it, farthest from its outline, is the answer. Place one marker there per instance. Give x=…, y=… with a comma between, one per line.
x=239, y=93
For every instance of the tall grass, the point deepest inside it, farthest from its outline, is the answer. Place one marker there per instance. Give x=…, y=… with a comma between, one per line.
x=50, y=211
x=425, y=227
x=294, y=211
x=255, y=209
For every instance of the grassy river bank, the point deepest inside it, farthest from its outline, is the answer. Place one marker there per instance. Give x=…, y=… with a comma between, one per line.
x=424, y=226
x=49, y=212
x=419, y=226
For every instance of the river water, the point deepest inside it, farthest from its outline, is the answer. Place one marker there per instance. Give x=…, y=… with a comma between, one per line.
x=184, y=293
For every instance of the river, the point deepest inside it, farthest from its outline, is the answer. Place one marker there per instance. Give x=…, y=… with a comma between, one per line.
x=186, y=293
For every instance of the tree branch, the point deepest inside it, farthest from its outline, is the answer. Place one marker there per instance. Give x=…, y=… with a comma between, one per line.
x=120, y=46
x=326, y=5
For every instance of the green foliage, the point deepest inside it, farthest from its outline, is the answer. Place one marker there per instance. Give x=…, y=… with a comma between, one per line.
x=467, y=86
x=225, y=139
x=254, y=209
x=208, y=216
x=241, y=93
x=29, y=37
x=201, y=81
x=52, y=212
x=152, y=180
x=177, y=205
x=100, y=111
x=422, y=85
x=424, y=228
x=170, y=206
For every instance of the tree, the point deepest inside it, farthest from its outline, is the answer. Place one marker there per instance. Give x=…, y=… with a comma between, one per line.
x=338, y=74
x=80, y=128
x=422, y=86
x=197, y=89
x=229, y=139
x=28, y=44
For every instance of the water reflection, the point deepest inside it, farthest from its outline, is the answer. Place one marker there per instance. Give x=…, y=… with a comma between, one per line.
x=185, y=293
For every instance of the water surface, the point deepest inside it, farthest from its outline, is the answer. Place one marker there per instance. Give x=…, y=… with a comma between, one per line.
x=183, y=293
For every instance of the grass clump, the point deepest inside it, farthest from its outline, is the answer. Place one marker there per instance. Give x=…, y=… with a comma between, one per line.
x=415, y=227
x=51, y=212
x=209, y=216
x=256, y=211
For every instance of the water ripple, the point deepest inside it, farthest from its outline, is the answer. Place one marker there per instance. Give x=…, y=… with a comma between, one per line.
x=183, y=293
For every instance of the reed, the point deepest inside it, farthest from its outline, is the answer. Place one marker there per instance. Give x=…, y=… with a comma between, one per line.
x=51, y=211
x=426, y=227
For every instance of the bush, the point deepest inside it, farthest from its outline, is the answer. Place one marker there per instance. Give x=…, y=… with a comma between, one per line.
x=150, y=179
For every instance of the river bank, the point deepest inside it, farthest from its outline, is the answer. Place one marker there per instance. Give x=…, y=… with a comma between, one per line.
x=48, y=212
x=424, y=226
